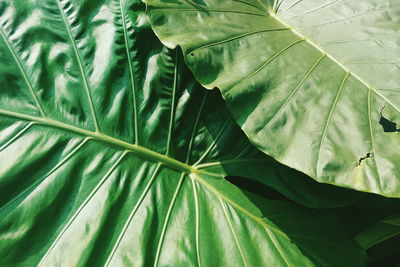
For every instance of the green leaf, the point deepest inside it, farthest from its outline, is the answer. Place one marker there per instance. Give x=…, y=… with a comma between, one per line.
x=377, y=233
x=312, y=83
x=380, y=231
x=112, y=155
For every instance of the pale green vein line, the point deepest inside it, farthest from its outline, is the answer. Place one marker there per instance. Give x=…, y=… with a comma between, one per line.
x=131, y=73
x=23, y=72
x=245, y=150
x=382, y=37
x=216, y=175
x=235, y=205
x=55, y=168
x=277, y=246
x=132, y=214
x=277, y=5
x=202, y=7
x=82, y=206
x=264, y=64
x=197, y=214
x=206, y=10
x=290, y=7
x=249, y=4
x=374, y=156
x=164, y=229
x=379, y=94
x=231, y=161
x=192, y=137
x=298, y=86
x=369, y=243
x=17, y=136
x=369, y=11
x=80, y=64
x=173, y=106
x=315, y=9
x=394, y=90
x=330, y=116
x=237, y=37
x=380, y=62
x=216, y=139
x=134, y=149
x=229, y=220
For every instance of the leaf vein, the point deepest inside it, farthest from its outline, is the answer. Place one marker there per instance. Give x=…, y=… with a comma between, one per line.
x=216, y=139
x=197, y=215
x=83, y=205
x=239, y=208
x=23, y=72
x=192, y=137
x=208, y=10
x=237, y=37
x=131, y=73
x=313, y=67
x=17, y=136
x=173, y=106
x=372, y=139
x=132, y=214
x=230, y=161
x=164, y=229
x=369, y=11
x=316, y=9
x=35, y=184
x=264, y=65
x=82, y=71
x=249, y=4
x=229, y=220
x=135, y=149
x=277, y=246
x=325, y=130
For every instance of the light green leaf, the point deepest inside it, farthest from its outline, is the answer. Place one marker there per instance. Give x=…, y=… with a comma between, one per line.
x=312, y=83
x=112, y=155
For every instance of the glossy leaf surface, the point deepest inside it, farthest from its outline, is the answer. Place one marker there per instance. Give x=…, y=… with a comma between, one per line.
x=313, y=83
x=112, y=155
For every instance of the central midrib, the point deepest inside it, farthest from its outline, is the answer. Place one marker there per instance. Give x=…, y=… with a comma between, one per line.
x=137, y=150
x=142, y=152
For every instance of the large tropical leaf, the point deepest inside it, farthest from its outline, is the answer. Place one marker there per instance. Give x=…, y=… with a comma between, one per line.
x=314, y=83
x=111, y=154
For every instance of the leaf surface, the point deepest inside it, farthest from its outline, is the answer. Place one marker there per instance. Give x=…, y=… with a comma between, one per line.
x=112, y=155
x=379, y=232
x=314, y=84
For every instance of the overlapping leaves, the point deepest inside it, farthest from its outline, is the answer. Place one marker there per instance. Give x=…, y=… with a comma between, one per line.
x=312, y=83
x=111, y=154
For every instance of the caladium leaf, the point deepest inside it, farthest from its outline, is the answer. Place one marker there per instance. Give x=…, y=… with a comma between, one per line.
x=112, y=155
x=313, y=83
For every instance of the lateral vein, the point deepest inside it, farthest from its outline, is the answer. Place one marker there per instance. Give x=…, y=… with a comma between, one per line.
x=80, y=64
